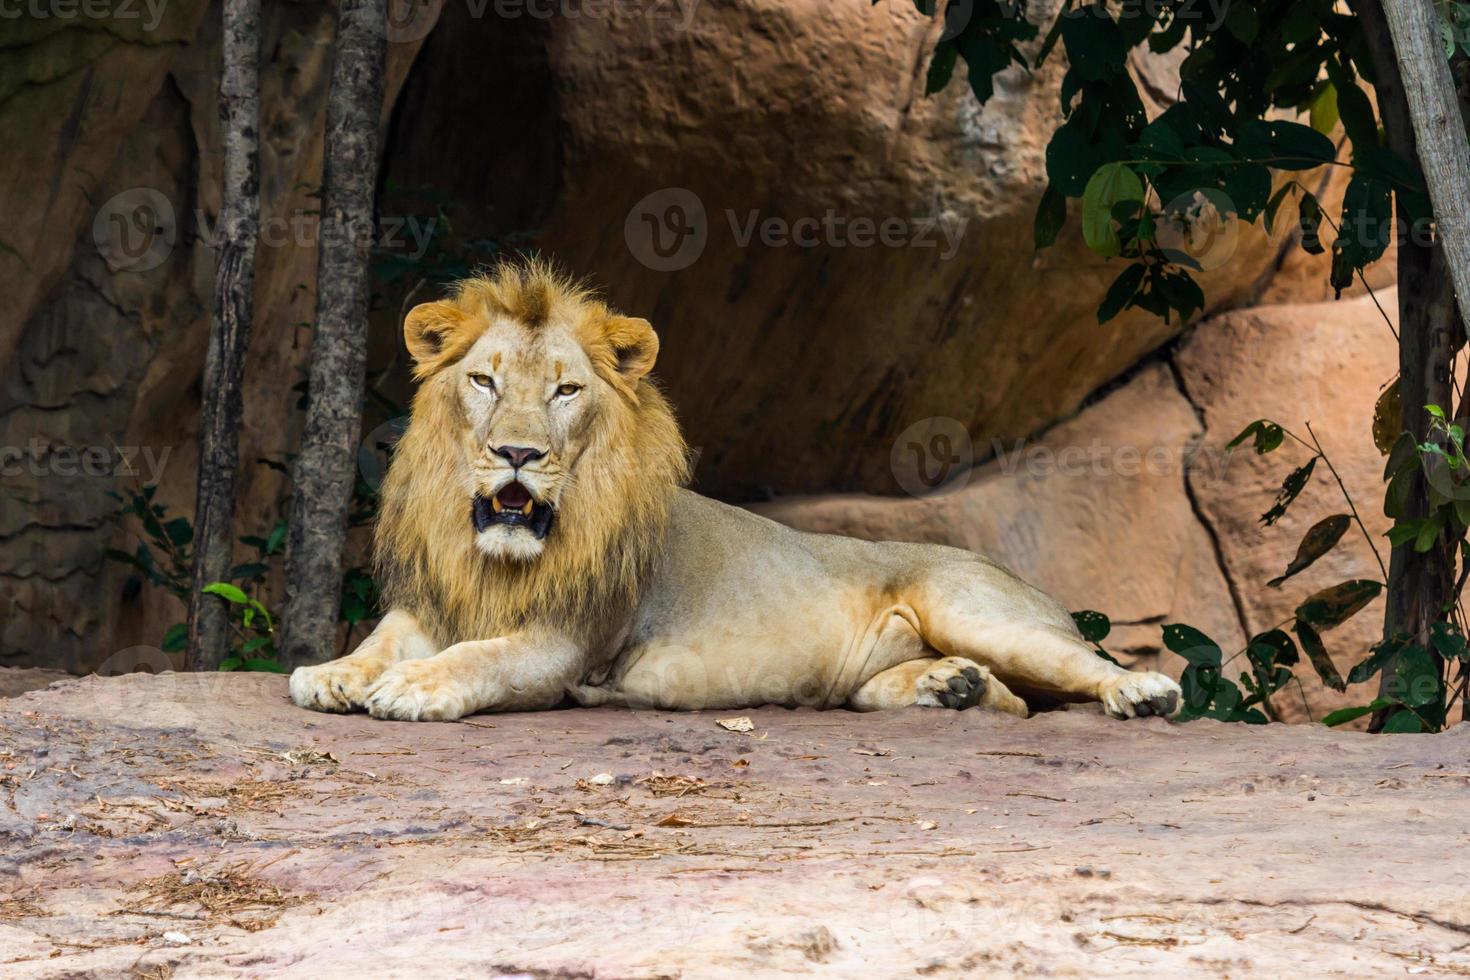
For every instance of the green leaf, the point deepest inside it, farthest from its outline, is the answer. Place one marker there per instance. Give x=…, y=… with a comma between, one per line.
x=1242, y=21
x=1403, y=722
x=1357, y=118
x=1343, y=715
x=1311, y=224
x=1121, y=292
x=1095, y=47
x=941, y=67
x=226, y=591
x=1051, y=215
x=262, y=664
x=1417, y=682
x=1274, y=205
x=1449, y=642
x=1333, y=606
x=1268, y=436
x=230, y=663
x=176, y=638
x=179, y=531
x=1192, y=645
x=254, y=643
x=1323, y=109
x=1291, y=488
x=1382, y=654
x=1110, y=184
x=1311, y=642
x=1093, y=626
x=277, y=538
x=1321, y=539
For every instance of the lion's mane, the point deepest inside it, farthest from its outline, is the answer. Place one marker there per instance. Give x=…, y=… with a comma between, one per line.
x=611, y=516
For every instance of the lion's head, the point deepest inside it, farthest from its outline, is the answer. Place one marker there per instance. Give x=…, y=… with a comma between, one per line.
x=535, y=476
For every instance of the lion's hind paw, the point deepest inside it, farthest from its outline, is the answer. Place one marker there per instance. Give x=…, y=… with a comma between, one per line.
x=952, y=682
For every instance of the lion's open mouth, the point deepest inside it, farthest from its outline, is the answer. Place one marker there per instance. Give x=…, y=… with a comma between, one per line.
x=515, y=506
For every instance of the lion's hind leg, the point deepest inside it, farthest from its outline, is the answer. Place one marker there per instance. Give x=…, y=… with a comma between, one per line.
x=943, y=682
x=1028, y=641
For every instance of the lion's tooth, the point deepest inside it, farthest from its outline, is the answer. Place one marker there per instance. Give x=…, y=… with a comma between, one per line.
x=527, y=509
x=496, y=505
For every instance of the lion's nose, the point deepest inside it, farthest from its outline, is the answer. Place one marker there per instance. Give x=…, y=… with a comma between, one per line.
x=518, y=456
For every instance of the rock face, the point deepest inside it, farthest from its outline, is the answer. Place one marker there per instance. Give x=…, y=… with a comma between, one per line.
x=101, y=394
x=862, y=266
x=715, y=172
x=1136, y=509
x=630, y=844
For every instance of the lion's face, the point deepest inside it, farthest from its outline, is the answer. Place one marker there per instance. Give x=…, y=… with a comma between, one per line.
x=534, y=379
x=529, y=400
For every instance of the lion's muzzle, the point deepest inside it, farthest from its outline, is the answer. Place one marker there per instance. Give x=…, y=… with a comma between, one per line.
x=513, y=506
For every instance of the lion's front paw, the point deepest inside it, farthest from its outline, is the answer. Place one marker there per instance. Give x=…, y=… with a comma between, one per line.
x=418, y=690
x=341, y=685
x=1140, y=694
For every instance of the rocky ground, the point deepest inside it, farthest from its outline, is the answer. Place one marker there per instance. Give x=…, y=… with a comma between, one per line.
x=180, y=825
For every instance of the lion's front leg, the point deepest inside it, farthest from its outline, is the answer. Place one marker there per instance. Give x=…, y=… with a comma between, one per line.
x=342, y=685
x=523, y=672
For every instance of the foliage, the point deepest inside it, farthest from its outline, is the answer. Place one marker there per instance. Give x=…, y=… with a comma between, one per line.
x=1419, y=691
x=1152, y=190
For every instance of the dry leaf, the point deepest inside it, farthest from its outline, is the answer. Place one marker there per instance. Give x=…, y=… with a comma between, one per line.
x=867, y=751
x=928, y=825
x=514, y=781
x=602, y=779
x=741, y=725
x=740, y=764
x=307, y=757
x=677, y=819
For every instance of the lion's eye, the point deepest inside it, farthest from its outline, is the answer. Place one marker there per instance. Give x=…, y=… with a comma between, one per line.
x=567, y=390
x=483, y=381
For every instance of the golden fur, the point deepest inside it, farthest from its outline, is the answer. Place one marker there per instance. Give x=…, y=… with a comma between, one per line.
x=640, y=592
x=614, y=513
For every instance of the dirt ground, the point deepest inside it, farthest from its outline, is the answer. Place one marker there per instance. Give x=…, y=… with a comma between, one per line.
x=188, y=825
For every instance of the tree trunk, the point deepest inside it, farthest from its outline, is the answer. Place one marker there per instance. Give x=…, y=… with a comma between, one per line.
x=325, y=468
x=1439, y=132
x=229, y=334
x=1419, y=583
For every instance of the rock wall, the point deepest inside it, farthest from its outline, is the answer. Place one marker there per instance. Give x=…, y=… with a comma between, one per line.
x=1136, y=508
x=832, y=260
x=101, y=393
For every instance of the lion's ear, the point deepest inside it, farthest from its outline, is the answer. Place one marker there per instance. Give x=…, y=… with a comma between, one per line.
x=634, y=347
x=437, y=334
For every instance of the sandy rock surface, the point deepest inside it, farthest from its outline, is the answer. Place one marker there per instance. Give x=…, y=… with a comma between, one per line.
x=204, y=826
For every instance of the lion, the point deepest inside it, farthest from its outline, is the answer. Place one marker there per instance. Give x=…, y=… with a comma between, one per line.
x=536, y=545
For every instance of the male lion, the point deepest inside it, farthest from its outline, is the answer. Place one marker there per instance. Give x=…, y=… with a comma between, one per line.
x=535, y=544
